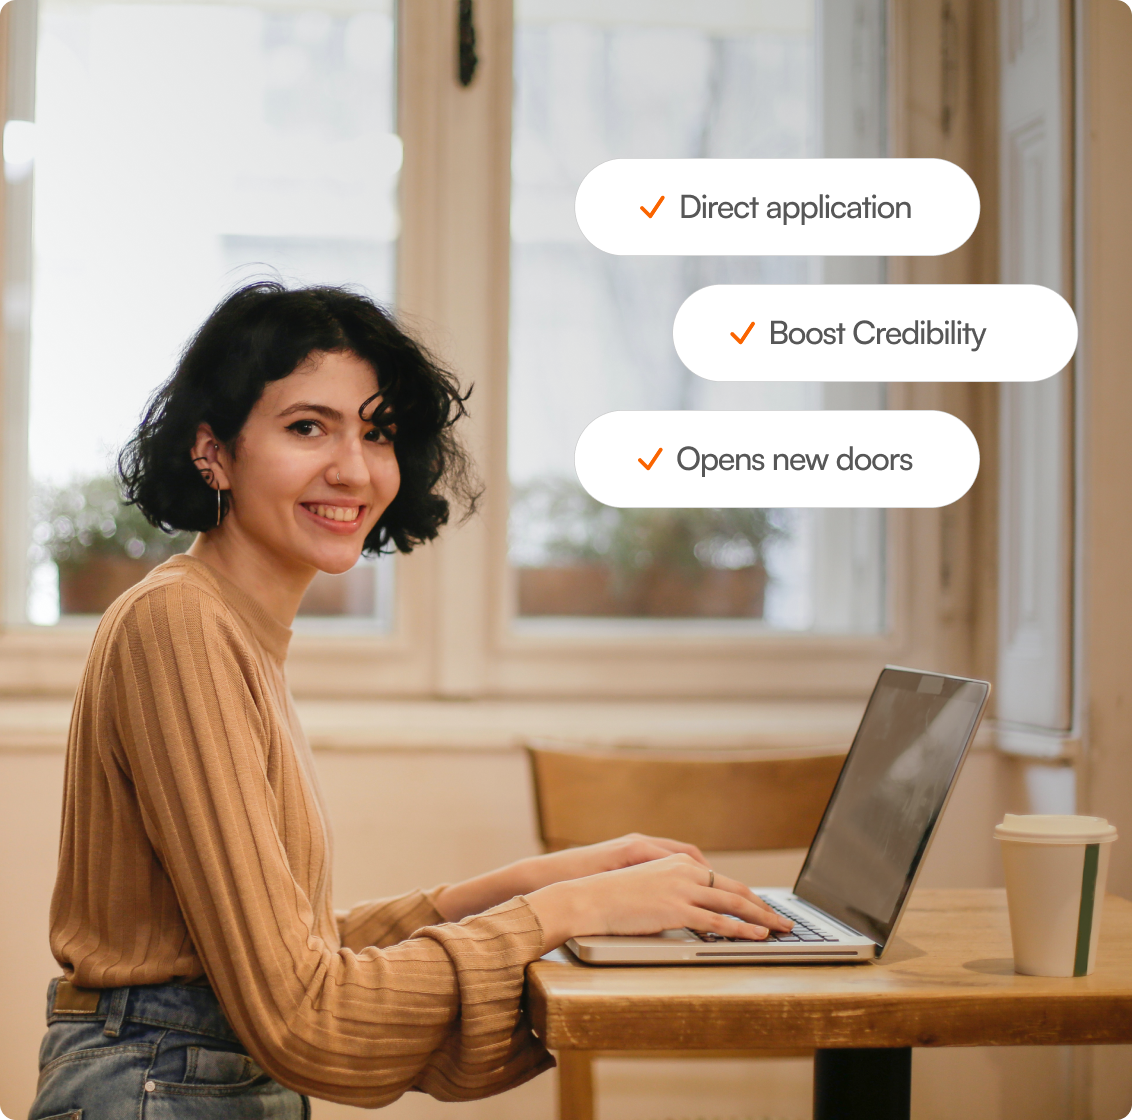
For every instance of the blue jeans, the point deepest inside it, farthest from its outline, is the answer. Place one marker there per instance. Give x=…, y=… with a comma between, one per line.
x=160, y=1052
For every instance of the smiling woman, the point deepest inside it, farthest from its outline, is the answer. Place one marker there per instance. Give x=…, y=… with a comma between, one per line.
x=192, y=911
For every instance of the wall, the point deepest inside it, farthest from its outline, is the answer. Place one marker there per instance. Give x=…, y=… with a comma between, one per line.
x=1106, y=281
x=1107, y=352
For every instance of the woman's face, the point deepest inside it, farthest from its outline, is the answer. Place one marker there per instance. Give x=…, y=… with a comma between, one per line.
x=310, y=477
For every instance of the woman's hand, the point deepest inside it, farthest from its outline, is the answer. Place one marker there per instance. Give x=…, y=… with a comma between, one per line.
x=481, y=893
x=610, y=855
x=671, y=892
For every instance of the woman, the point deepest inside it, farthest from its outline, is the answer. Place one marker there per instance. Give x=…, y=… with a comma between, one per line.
x=206, y=974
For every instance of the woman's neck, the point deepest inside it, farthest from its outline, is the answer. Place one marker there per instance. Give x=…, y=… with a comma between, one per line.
x=278, y=587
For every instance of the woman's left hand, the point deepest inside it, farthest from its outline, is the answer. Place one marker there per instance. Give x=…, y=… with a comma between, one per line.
x=610, y=855
x=526, y=875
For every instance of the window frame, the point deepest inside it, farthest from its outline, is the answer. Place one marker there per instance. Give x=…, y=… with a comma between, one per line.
x=478, y=652
x=452, y=633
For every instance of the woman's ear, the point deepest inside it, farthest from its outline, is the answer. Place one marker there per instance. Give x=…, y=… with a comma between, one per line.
x=209, y=457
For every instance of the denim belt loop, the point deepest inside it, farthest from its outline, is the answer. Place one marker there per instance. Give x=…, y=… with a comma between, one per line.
x=117, y=1012
x=51, y=997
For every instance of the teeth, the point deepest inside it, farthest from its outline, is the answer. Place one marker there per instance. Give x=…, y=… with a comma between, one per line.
x=337, y=513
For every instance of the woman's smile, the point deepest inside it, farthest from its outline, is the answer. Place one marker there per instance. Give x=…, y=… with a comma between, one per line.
x=335, y=517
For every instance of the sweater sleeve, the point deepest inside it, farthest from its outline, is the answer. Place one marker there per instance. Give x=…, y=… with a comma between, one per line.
x=359, y=1025
x=385, y=921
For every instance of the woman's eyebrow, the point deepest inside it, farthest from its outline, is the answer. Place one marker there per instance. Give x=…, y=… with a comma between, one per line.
x=322, y=410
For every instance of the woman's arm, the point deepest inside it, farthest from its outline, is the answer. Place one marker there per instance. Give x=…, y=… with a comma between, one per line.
x=526, y=875
x=590, y=890
x=388, y=921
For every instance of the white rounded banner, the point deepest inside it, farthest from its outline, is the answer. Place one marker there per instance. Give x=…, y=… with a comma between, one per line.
x=875, y=332
x=781, y=207
x=878, y=459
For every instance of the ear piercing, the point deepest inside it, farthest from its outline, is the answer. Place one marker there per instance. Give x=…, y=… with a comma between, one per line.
x=206, y=473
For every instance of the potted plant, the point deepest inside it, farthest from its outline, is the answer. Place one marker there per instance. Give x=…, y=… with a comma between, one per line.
x=665, y=563
x=100, y=546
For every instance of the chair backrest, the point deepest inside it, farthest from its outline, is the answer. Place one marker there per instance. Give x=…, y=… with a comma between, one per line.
x=754, y=800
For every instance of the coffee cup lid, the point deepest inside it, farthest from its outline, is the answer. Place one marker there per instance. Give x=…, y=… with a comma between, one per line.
x=1055, y=828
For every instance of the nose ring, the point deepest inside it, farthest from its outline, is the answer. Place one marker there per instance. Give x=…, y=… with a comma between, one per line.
x=339, y=476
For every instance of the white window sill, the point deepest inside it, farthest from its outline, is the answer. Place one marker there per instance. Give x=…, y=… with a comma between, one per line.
x=40, y=724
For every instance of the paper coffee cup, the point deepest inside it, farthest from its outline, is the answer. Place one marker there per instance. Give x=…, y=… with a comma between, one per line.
x=1056, y=868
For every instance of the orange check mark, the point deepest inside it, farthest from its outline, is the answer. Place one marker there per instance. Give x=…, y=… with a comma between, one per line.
x=649, y=213
x=648, y=465
x=745, y=333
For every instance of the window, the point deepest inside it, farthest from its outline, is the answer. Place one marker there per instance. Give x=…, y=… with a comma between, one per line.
x=263, y=145
x=590, y=333
x=843, y=591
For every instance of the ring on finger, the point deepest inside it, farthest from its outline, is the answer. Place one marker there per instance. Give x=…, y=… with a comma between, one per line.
x=711, y=878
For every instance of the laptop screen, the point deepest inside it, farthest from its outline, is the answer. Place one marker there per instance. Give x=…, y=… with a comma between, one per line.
x=888, y=798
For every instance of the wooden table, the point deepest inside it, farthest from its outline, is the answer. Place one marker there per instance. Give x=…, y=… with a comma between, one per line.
x=948, y=980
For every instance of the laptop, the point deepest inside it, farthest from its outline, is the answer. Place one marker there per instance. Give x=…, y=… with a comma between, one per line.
x=871, y=842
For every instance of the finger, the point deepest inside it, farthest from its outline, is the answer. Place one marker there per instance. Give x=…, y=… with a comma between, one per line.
x=726, y=902
x=726, y=883
x=678, y=847
x=776, y=920
x=642, y=850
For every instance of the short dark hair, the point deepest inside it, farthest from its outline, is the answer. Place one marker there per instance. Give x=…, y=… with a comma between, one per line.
x=262, y=332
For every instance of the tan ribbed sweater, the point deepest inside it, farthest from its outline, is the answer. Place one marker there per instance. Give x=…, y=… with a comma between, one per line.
x=194, y=842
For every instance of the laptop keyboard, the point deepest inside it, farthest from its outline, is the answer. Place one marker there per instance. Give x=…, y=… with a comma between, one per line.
x=802, y=931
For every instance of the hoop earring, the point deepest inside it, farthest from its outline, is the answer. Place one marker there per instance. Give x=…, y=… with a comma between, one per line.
x=217, y=447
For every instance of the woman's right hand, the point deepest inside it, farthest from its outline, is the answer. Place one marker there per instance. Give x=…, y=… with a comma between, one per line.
x=668, y=893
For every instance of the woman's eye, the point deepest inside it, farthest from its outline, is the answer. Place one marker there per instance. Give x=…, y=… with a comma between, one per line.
x=303, y=427
x=381, y=435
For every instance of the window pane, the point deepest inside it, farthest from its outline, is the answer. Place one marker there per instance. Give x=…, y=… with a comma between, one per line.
x=591, y=332
x=182, y=149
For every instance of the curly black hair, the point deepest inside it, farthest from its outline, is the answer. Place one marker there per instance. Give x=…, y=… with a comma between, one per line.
x=262, y=332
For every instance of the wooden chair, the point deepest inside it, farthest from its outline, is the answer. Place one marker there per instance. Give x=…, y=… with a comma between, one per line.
x=722, y=801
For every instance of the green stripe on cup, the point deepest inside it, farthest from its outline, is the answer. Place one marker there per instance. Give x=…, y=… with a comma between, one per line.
x=1085, y=918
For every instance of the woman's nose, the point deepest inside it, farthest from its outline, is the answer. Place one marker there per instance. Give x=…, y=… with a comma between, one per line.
x=348, y=467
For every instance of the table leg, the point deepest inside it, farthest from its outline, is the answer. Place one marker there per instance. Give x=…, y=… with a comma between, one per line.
x=575, y=1085
x=862, y=1084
